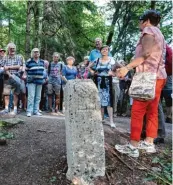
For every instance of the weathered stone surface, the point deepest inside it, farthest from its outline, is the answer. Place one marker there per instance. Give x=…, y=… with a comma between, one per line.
x=84, y=131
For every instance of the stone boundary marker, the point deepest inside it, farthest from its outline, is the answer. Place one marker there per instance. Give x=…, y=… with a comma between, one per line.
x=84, y=132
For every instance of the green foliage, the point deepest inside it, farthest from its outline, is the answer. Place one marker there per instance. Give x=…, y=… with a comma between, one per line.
x=126, y=31
x=53, y=179
x=6, y=135
x=13, y=20
x=164, y=162
x=70, y=27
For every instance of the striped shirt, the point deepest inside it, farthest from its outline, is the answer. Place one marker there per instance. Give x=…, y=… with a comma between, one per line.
x=12, y=61
x=35, y=71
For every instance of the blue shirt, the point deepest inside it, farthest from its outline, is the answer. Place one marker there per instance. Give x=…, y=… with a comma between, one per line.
x=69, y=73
x=35, y=71
x=95, y=54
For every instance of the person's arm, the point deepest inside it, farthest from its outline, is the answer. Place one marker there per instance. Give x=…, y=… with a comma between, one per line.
x=91, y=64
x=11, y=67
x=147, y=45
x=18, y=66
x=64, y=74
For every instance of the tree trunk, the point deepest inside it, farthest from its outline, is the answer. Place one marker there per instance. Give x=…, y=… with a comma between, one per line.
x=36, y=23
x=153, y=5
x=28, y=30
x=115, y=18
x=9, y=29
x=46, y=5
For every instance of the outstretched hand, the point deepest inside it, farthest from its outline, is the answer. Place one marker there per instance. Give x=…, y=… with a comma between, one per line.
x=121, y=72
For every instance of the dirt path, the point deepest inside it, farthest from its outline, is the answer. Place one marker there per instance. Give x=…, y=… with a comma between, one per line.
x=37, y=154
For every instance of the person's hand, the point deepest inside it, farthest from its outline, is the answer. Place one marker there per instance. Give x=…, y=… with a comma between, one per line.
x=121, y=72
x=111, y=73
x=6, y=68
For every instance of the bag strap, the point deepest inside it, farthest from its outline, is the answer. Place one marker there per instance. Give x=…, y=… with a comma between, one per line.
x=97, y=62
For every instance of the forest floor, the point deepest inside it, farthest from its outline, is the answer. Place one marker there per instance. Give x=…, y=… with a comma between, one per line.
x=36, y=155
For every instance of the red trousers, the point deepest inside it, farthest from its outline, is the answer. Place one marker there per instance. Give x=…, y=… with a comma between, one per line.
x=150, y=108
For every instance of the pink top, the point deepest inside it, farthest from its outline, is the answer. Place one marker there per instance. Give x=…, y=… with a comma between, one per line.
x=157, y=56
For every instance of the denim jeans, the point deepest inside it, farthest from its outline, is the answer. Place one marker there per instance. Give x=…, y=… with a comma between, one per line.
x=34, y=97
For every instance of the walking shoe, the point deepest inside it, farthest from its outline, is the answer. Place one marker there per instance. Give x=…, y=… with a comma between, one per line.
x=38, y=114
x=159, y=140
x=112, y=125
x=50, y=110
x=14, y=113
x=3, y=112
x=128, y=149
x=28, y=114
x=149, y=148
x=168, y=120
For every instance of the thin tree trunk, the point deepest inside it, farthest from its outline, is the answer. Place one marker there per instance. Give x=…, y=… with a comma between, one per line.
x=36, y=23
x=46, y=5
x=28, y=30
x=115, y=18
x=9, y=29
x=153, y=5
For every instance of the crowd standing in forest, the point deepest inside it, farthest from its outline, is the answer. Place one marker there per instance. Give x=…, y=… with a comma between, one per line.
x=37, y=85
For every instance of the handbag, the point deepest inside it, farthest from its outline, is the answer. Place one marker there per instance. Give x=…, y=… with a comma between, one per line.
x=143, y=85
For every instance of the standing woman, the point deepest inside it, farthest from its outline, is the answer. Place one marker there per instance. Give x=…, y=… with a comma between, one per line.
x=35, y=79
x=149, y=57
x=103, y=81
x=69, y=71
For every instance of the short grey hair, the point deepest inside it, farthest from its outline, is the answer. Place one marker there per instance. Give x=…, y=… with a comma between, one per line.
x=98, y=39
x=11, y=45
x=70, y=57
x=32, y=52
x=86, y=57
x=56, y=54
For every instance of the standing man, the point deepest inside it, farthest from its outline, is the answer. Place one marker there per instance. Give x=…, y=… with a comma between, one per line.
x=35, y=80
x=54, y=82
x=95, y=53
x=11, y=65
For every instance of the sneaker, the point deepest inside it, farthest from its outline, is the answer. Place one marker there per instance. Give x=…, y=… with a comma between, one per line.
x=128, y=149
x=50, y=110
x=14, y=113
x=149, y=148
x=38, y=114
x=112, y=125
x=28, y=114
x=3, y=112
x=159, y=140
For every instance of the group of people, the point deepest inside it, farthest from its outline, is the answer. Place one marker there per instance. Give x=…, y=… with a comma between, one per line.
x=42, y=82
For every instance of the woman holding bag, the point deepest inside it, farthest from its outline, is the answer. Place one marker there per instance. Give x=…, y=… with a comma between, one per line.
x=149, y=59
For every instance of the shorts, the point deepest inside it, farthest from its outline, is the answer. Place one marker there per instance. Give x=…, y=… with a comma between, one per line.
x=12, y=84
x=53, y=88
